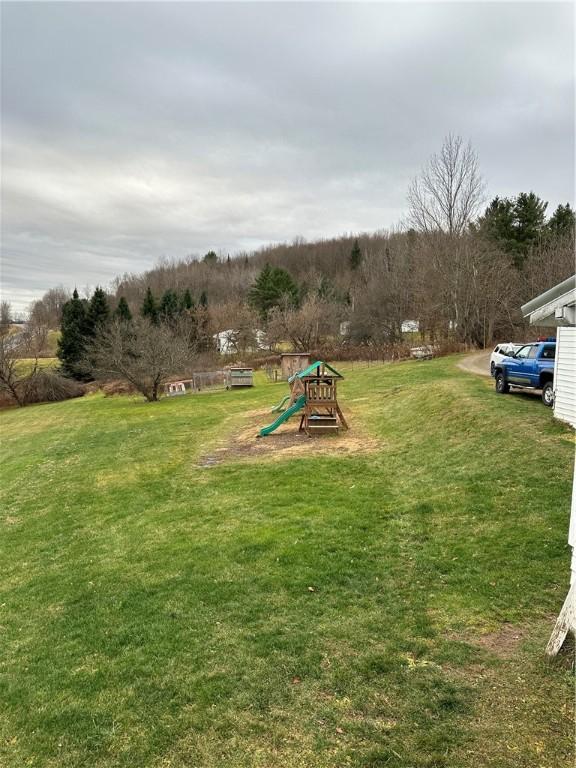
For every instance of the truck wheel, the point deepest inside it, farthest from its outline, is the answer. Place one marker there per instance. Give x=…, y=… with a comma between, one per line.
x=548, y=394
x=502, y=386
x=492, y=367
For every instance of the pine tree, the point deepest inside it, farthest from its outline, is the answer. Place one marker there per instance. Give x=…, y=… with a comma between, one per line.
x=210, y=258
x=355, y=256
x=273, y=287
x=73, y=337
x=562, y=221
x=186, y=301
x=326, y=290
x=169, y=306
x=149, y=307
x=498, y=224
x=123, y=310
x=98, y=312
x=514, y=224
x=203, y=300
x=530, y=215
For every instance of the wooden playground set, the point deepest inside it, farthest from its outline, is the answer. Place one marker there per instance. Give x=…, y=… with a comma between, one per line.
x=313, y=395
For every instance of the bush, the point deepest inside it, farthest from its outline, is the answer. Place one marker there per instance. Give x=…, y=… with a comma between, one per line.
x=46, y=386
x=116, y=387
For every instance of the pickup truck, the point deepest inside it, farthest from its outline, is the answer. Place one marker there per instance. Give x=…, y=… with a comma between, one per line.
x=530, y=367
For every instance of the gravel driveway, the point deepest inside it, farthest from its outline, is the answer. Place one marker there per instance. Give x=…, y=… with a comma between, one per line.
x=477, y=362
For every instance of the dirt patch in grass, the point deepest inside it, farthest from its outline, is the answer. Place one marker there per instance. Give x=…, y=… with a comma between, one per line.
x=286, y=441
x=503, y=642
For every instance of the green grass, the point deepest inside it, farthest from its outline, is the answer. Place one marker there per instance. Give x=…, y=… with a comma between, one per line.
x=26, y=364
x=52, y=343
x=155, y=613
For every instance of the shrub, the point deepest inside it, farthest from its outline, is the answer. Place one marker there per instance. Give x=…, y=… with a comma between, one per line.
x=46, y=386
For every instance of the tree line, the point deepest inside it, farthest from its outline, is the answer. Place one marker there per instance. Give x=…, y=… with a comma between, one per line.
x=458, y=267
x=166, y=335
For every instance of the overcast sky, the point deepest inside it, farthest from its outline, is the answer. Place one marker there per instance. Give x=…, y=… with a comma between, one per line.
x=141, y=130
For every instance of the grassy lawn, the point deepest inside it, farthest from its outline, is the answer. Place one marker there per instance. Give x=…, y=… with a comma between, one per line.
x=26, y=364
x=323, y=609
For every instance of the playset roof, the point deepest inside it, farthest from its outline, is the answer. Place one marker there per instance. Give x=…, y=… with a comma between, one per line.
x=312, y=370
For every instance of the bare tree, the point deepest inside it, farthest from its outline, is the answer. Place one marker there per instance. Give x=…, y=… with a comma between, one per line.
x=239, y=323
x=48, y=310
x=19, y=362
x=307, y=327
x=141, y=353
x=448, y=193
x=5, y=316
x=10, y=371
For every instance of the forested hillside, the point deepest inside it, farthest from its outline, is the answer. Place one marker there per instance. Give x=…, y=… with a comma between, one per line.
x=458, y=267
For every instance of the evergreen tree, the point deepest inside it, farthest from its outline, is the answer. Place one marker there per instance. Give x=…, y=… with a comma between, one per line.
x=149, y=307
x=562, y=221
x=98, y=312
x=285, y=287
x=186, y=302
x=530, y=215
x=498, y=223
x=326, y=290
x=514, y=224
x=210, y=258
x=123, y=310
x=73, y=337
x=355, y=256
x=273, y=287
x=169, y=306
x=204, y=300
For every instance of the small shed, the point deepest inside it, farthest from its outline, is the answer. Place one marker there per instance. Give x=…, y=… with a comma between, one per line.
x=557, y=308
x=293, y=362
x=240, y=377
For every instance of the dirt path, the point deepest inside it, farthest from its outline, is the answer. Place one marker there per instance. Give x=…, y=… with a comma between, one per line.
x=286, y=441
x=477, y=362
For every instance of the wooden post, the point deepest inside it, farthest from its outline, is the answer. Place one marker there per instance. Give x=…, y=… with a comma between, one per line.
x=565, y=623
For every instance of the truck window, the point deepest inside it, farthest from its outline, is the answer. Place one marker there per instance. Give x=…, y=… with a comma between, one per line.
x=523, y=352
x=549, y=353
x=533, y=353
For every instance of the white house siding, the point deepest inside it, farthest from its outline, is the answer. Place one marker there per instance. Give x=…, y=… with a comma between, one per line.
x=565, y=409
x=572, y=530
x=565, y=375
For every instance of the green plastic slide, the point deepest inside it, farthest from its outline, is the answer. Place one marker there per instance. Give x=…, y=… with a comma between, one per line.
x=284, y=416
x=280, y=406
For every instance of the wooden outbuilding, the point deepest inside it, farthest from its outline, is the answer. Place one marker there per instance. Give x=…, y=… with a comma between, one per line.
x=293, y=362
x=240, y=377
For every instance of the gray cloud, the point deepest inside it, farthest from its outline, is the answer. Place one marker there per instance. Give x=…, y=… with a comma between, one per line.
x=135, y=131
